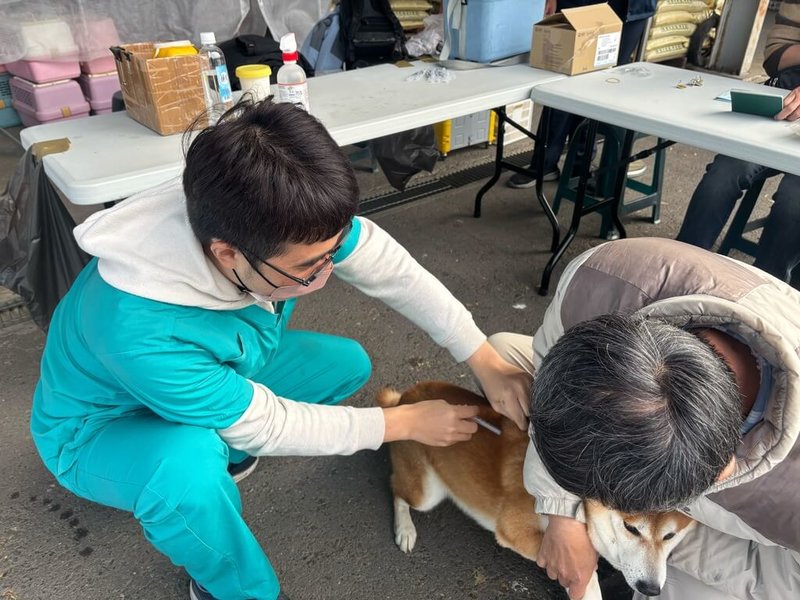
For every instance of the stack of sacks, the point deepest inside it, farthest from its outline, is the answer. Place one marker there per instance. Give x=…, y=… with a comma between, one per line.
x=411, y=13
x=673, y=24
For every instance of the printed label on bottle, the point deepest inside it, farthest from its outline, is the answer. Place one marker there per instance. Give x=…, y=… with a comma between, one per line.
x=295, y=93
x=225, y=93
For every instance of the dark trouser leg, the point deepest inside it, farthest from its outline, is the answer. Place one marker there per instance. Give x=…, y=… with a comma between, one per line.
x=779, y=246
x=715, y=197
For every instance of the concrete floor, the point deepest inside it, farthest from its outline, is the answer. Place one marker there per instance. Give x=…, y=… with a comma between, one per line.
x=325, y=522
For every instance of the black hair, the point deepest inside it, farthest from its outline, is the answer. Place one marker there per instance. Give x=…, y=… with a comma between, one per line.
x=267, y=174
x=637, y=414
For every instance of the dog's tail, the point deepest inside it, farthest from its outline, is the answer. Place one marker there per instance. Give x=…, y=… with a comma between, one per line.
x=388, y=397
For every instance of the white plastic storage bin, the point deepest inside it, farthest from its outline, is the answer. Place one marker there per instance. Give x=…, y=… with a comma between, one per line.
x=489, y=30
x=42, y=103
x=522, y=114
x=99, y=90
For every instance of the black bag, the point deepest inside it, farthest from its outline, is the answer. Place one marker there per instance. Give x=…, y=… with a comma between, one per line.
x=403, y=155
x=39, y=257
x=256, y=50
x=371, y=33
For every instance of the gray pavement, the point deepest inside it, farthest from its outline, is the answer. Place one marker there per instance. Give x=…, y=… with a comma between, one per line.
x=325, y=522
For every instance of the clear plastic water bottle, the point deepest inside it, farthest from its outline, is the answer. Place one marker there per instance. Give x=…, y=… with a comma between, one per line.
x=219, y=96
x=292, y=83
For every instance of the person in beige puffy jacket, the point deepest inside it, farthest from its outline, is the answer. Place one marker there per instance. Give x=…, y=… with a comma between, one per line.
x=667, y=377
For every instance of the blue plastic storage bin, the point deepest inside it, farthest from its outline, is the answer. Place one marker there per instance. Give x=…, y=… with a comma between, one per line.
x=489, y=30
x=8, y=116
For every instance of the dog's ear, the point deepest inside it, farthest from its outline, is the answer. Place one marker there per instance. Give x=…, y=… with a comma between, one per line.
x=387, y=397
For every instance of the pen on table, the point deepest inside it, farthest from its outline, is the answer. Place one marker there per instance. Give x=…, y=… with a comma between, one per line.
x=486, y=425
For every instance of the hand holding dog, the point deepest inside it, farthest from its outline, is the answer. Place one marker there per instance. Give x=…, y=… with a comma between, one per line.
x=567, y=555
x=432, y=422
x=507, y=388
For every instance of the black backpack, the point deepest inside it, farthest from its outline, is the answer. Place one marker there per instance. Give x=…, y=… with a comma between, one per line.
x=371, y=33
x=256, y=49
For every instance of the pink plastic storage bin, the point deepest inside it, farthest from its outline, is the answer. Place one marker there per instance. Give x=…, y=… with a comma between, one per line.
x=94, y=38
x=99, y=90
x=50, y=52
x=45, y=71
x=43, y=103
x=99, y=65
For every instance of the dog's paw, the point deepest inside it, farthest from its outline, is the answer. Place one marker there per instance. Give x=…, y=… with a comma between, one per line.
x=405, y=536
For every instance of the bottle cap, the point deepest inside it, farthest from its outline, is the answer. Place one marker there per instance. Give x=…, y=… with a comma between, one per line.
x=253, y=71
x=289, y=47
x=208, y=37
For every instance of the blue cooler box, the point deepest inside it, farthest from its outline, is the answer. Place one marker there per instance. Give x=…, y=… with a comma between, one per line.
x=489, y=30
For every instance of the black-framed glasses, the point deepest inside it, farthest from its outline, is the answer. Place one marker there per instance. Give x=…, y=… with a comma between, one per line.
x=325, y=261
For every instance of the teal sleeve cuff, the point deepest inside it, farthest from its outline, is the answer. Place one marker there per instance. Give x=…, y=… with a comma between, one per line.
x=350, y=243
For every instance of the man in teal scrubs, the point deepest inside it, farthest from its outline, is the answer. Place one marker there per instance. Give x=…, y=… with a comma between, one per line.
x=169, y=367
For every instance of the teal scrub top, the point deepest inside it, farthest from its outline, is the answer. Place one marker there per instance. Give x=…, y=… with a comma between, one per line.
x=110, y=353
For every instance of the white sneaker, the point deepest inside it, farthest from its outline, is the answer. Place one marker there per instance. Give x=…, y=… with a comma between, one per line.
x=636, y=168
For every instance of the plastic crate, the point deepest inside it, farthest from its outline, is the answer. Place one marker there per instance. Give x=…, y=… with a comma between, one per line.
x=5, y=90
x=522, y=114
x=463, y=132
x=51, y=53
x=45, y=71
x=42, y=103
x=95, y=37
x=99, y=90
x=9, y=117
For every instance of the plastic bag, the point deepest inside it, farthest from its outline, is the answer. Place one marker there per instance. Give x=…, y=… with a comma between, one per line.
x=39, y=257
x=403, y=155
x=430, y=39
x=432, y=75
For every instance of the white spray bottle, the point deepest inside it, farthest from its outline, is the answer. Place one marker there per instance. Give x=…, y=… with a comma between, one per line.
x=292, y=83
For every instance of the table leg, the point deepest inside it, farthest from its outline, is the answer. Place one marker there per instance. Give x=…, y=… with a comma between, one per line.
x=539, y=153
x=577, y=212
x=621, y=181
x=498, y=161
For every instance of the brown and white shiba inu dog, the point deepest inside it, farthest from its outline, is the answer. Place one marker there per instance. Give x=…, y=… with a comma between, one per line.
x=484, y=478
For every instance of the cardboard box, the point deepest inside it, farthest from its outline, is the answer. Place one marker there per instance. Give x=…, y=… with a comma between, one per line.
x=164, y=94
x=577, y=40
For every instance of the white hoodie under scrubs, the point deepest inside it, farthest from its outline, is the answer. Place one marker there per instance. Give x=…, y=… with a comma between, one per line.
x=152, y=334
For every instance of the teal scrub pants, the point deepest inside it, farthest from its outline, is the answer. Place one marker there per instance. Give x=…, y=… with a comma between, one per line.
x=174, y=477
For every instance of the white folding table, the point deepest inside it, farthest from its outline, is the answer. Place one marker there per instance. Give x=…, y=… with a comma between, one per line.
x=645, y=97
x=112, y=156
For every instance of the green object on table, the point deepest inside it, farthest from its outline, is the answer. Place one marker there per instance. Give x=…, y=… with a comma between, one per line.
x=764, y=104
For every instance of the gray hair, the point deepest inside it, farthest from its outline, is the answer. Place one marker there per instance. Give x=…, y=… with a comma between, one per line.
x=637, y=414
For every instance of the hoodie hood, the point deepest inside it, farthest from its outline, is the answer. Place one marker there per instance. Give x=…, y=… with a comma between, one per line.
x=146, y=247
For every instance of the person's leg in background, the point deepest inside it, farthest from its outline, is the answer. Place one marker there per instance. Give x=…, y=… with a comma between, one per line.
x=632, y=36
x=715, y=197
x=779, y=247
x=174, y=477
x=560, y=126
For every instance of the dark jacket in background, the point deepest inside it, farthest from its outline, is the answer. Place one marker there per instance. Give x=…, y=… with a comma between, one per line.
x=627, y=10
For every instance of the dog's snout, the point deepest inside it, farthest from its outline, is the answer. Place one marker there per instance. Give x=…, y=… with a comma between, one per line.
x=648, y=588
